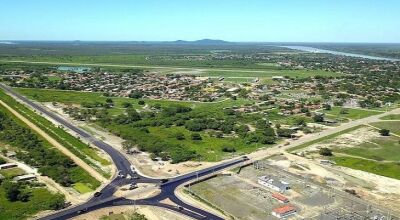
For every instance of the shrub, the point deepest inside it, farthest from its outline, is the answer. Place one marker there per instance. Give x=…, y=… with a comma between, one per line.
x=141, y=102
x=325, y=151
x=196, y=136
x=318, y=118
x=228, y=149
x=384, y=132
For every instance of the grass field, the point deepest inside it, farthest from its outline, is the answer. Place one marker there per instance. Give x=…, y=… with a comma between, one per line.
x=379, y=149
x=351, y=113
x=12, y=172
x=82, y=188
x=391, y=170
x=391, y=117
x=393, y=126
x=41, y=199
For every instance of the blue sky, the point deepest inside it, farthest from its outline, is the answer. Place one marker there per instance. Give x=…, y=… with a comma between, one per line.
x=232, y=20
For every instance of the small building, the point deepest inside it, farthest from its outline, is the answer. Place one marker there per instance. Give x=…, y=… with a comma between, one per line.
x=280, y=197
x=284, y=211
x=273, y=183
x=8, y=166
x=25, y=177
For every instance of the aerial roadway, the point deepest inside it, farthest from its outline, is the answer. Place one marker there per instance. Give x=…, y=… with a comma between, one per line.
x=106, y=196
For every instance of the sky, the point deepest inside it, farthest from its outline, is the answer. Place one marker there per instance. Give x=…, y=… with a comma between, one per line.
x=231, y=20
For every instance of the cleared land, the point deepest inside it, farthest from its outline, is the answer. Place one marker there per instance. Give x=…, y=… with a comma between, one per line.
x=361, y=148
x=393, y=126
x=350, y=113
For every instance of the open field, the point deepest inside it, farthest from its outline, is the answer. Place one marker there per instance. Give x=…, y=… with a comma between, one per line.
x=351, y=113
x=361, y=149
x=393, y=126
x=391, y=169
x=379, y=149
x=305, y=145
x=391, y=117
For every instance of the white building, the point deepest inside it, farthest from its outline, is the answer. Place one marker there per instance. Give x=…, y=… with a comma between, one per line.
x=273, y=183
x=24, y=177
x=8, y=166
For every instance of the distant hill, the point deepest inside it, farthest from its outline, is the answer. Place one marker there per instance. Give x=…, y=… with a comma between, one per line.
x=202, y=42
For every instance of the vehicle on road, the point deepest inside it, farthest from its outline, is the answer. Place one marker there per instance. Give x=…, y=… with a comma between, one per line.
x=97, y=194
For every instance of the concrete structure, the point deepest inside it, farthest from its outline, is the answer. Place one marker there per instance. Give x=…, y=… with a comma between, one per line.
x=8, y=166
x=280, y=198
x=284, y=211
x=273, y=183
x=24, y=177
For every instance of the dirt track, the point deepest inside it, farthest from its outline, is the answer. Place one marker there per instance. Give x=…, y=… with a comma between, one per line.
x=53, y=142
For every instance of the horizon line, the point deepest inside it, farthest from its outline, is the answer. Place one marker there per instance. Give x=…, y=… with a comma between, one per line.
x=3, y=42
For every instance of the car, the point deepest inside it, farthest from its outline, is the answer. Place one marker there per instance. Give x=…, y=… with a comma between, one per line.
x=97, y=194
x=81, y=211
x=164, y=180
x=133, y=186
x=180, y=208
x=136, y=177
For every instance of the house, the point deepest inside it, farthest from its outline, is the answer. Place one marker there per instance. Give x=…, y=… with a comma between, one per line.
x=273, y=183
x=8, y=166
x=284, y=211
x=24, y=177
x=280, y=197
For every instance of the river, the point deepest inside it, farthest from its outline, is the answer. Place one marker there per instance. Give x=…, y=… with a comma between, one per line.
x=317, y=50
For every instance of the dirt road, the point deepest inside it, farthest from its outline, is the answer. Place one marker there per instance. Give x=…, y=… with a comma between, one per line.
x=53, y=142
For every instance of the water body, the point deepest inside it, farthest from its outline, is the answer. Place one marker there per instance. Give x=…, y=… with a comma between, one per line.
x=317, y=50
x=73, y=69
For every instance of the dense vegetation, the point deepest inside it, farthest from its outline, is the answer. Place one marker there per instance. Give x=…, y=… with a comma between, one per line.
x=21, y=200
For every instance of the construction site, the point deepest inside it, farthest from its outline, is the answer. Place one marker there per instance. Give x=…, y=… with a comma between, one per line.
x=262, y=190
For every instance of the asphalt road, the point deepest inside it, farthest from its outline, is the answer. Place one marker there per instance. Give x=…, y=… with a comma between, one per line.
x=106, y=199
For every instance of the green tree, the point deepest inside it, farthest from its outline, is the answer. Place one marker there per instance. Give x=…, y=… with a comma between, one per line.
x=325, y=152
x=384, y=132
x=318, y=118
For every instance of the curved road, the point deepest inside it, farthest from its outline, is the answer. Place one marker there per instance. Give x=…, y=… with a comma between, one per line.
x=106, y=199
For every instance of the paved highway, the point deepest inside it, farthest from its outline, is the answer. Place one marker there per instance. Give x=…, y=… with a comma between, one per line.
x=106, y=199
